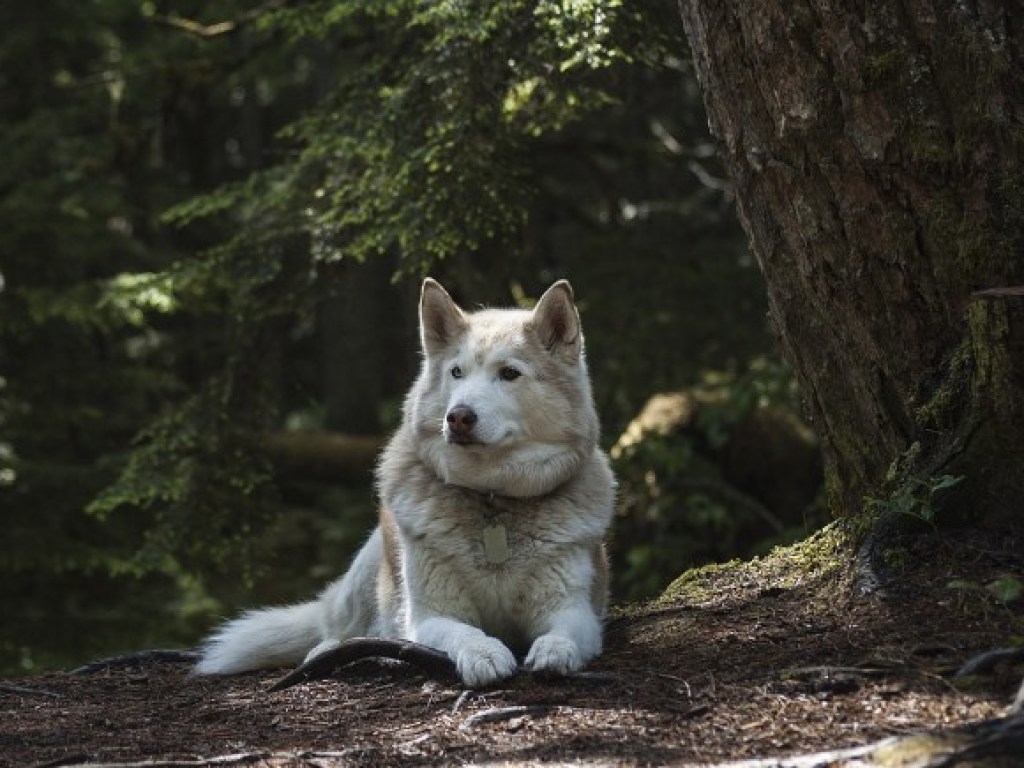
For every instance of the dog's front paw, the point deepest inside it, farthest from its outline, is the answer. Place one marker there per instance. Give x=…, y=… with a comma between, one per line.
x=484, y=661
x=555, y=655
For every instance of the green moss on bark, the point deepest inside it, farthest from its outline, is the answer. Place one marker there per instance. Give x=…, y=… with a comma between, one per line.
x=784, y=568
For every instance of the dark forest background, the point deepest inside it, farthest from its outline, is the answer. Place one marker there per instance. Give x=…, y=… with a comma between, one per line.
x=214, y=217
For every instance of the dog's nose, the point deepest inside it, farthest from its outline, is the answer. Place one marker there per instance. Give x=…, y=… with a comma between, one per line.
x=460, y=420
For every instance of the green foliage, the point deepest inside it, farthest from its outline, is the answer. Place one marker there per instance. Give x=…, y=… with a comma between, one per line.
x=106, y=320
x=421, y=143
x=1004, y=590
x=176, y=210
x=766, y=382
x=188, y=470
x=679, y=506
x=913, y=497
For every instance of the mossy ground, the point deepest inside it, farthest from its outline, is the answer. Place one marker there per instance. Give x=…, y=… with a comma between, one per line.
x=823, y=554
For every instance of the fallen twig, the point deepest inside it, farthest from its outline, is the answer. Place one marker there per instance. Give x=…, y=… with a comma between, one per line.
x=589, y=677
x=28, y=691
x=136, y=659
x=827, y=671
x=695, y=711
x=436, y=664
x=460, y=701
x=500, y=714
x=239, y=758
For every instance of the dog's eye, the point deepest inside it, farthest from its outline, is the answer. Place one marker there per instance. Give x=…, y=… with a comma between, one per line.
x=456, y=372
x=508, y=373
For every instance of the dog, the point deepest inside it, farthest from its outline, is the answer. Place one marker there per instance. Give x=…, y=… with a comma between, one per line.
x=495, y=499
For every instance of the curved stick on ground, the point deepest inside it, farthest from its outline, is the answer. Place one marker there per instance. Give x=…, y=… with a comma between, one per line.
x=428, y=660
x=986, y=662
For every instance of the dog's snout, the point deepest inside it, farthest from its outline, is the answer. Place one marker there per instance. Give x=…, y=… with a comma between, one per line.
x=461, y=420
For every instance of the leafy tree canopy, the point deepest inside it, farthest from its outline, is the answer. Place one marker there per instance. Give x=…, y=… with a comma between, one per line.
x=181, y=191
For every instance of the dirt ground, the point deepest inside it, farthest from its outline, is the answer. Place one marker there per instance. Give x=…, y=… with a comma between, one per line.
x=774, y=657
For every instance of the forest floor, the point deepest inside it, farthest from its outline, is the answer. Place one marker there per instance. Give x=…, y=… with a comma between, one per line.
x=777, y=656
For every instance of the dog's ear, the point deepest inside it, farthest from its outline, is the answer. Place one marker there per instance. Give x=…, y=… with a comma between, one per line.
x=441, y=320
x=556, y=321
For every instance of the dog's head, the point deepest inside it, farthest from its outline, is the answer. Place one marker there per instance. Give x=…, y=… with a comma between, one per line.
x=503, y=403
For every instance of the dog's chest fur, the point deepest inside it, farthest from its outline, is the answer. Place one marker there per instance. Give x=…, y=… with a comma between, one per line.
x=497, y=562
x=489, y=534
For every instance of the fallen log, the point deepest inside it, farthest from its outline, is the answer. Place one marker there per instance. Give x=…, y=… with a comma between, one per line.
x=329, y=456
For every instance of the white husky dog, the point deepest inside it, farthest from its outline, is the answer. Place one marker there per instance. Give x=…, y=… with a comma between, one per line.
x=495, y=500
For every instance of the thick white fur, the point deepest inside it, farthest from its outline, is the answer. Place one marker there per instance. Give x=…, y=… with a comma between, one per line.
x=532, y=467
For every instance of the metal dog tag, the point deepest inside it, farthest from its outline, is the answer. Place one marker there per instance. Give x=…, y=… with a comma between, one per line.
x=496, y=544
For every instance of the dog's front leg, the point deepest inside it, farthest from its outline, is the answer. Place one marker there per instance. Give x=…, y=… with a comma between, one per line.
x=572, y=637
x=479, y=658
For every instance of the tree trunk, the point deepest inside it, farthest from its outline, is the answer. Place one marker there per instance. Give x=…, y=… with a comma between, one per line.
x=876, y=152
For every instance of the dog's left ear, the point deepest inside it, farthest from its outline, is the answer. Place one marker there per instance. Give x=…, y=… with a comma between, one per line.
x=556, y=320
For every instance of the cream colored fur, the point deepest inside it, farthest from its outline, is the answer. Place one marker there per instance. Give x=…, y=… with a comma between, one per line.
x=529, y=467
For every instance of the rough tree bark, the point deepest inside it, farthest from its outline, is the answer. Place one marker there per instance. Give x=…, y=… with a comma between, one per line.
x=876, y=149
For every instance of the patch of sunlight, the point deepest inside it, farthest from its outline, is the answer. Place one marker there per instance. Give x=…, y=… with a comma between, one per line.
x=133, y=294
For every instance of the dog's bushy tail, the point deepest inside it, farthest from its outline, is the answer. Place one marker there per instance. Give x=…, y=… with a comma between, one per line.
x=264, y=638
x=281, y=637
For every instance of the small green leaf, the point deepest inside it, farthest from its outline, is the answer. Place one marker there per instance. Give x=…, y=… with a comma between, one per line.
x=1006, y=589
x=965, y=585
x=942, y=482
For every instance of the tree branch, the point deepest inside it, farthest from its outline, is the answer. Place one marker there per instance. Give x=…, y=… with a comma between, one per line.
x=220, y=28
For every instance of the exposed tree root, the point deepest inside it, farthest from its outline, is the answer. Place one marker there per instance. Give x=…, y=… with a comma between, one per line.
x=997, y=743
x=434, y=663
